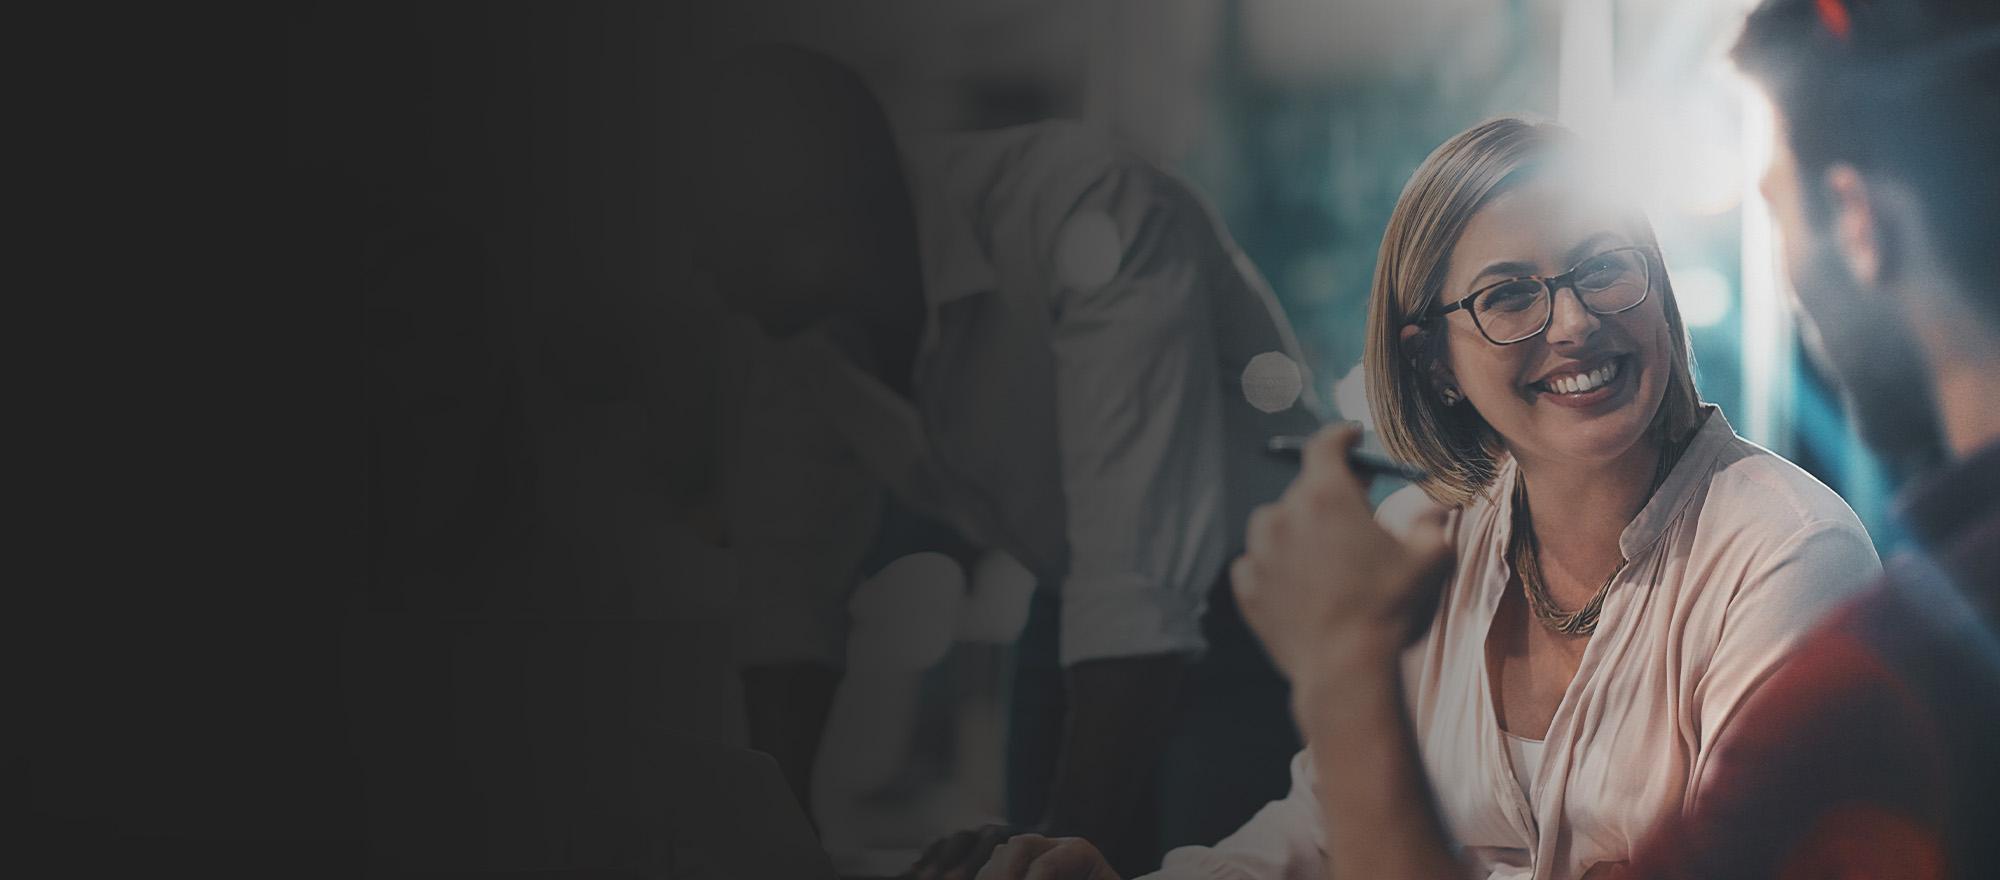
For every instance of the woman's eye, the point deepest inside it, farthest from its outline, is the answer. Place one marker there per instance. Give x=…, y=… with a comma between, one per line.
x=1601, y=272
x=1512, y=296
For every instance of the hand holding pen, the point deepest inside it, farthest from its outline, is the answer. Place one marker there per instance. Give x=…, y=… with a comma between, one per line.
x=1290, y=447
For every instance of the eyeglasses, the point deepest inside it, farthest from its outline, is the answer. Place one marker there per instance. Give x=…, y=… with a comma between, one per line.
x=1519, y=309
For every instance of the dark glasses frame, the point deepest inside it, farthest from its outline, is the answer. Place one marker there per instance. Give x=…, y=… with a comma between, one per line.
x=1552, y=284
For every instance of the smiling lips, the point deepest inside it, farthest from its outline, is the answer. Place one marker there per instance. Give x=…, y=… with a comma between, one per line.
x=1582, y=382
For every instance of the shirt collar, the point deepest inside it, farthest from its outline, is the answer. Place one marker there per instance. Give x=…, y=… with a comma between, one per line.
x=1940, y=505
x=1688, y=476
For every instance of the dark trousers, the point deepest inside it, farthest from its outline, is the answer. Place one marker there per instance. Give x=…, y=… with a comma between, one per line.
x=1227, y=755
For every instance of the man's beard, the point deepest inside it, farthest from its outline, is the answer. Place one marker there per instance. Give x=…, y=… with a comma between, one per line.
x=1865, y=342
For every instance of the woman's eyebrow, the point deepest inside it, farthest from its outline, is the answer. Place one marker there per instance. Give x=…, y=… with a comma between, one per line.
x=1502, y=270
x=1590, y=246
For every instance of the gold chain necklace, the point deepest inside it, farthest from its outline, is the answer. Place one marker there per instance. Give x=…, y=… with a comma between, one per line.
x=1525, y=555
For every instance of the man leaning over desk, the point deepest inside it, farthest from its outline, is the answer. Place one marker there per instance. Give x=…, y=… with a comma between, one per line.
x=1052, y=346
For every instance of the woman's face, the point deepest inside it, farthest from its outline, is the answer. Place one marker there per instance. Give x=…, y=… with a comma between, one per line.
x=1543, y=228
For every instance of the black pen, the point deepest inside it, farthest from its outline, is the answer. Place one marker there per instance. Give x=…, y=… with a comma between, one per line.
x=1290, y=447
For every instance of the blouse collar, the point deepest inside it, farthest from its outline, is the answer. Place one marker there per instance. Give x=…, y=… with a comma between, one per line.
x=1688, y=476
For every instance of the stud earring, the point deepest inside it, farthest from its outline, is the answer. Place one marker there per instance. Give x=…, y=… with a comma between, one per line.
x=1450, y=395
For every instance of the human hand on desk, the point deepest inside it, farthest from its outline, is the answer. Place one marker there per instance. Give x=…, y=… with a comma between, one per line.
x=1034, y=857
x=958, y=856
x=1319, y=574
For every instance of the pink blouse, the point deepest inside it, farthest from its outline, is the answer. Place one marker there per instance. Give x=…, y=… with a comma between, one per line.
x=1735, y=557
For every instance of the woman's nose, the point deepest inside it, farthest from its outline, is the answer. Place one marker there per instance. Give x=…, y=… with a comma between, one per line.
x=1572, y=324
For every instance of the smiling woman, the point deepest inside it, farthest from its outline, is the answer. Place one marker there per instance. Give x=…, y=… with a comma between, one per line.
x=1625, y=567
x=1492, y=207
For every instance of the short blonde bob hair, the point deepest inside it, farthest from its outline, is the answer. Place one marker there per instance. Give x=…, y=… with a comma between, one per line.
x=1455, y=444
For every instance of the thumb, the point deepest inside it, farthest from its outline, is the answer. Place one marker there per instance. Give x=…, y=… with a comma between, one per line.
x=1011, y=860
x=1072, y=859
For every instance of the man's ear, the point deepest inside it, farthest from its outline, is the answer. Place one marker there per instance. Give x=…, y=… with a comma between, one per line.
x=1857, y=231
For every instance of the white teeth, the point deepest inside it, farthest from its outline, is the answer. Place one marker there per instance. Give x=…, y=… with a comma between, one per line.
x=1579, y=383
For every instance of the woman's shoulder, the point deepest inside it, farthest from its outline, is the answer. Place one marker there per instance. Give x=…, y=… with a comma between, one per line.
x=1758, y=491
x=1794, y=543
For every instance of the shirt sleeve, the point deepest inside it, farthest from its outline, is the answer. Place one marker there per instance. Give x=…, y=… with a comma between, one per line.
x=1138, y=411
x=1282, y=842
x=1790, y=591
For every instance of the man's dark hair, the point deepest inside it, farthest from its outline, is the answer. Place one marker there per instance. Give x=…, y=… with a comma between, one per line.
x=795, y=126
x=1907, y=90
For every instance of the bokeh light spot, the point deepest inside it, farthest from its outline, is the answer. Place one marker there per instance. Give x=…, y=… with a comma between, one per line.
x=1704, y=296
x=1350, y=397
x=1088, y=251
x=1272, y=382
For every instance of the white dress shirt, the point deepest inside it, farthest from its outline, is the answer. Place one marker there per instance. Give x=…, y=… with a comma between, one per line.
x=1080, y=392
x=1736, y=556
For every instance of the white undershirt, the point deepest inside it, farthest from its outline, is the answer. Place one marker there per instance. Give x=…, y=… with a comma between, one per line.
x=1526, y=756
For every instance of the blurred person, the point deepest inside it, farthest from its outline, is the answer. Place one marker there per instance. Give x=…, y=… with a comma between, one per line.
x=1041, y=341
x=1528, y=661
x=1875, y=751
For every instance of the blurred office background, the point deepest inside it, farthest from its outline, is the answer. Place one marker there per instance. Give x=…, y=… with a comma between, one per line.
x=1300, y=120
